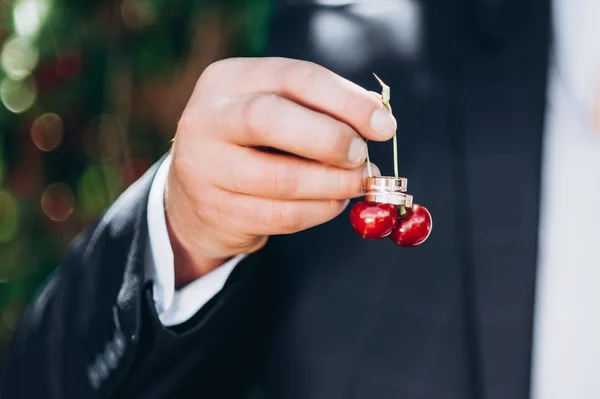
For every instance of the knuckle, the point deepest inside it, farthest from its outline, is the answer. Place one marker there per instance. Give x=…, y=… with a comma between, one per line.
x=283, y=183
x=185, y=123
x=215, y=69
x=252, y=112
x=299, y=76
x=348, y=104
x=212, y=73
x=242, y=172
x=219, y=117
x=342, y=185
x=192, y=165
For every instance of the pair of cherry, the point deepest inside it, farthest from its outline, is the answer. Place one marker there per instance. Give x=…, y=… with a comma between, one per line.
x=387, y=209
x=406, y=226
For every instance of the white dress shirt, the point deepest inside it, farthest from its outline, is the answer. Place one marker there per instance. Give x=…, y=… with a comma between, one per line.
x=175, y=307
x=566, y=354
x=566, y=357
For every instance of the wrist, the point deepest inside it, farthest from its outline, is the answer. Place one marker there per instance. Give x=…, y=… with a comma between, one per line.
x=190, y=260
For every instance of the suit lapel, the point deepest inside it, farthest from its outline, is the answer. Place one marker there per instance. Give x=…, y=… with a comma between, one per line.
x=502, y=103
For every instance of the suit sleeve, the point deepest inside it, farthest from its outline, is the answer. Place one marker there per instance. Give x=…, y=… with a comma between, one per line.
x=93, y=332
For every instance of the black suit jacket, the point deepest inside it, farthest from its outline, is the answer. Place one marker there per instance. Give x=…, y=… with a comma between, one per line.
x=323, y=313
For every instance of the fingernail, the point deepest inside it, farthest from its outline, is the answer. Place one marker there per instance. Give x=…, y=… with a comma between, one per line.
x=383, y=123
x=357, y=152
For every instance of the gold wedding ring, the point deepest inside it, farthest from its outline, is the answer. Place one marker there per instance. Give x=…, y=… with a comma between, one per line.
x=399, y=199
x=389, y=184
x=387, y=190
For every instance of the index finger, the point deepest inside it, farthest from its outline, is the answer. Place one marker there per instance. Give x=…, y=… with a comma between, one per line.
x=320, y=89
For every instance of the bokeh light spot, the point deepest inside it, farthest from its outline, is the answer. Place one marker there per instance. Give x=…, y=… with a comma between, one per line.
x=9, y=216
x=18, y=96
x=58, y=202
x=47, y=131
x=138, y=14
x=29, y=15
x=19, y=57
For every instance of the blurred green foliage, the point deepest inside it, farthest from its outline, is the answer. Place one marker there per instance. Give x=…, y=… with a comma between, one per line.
x=71, y=136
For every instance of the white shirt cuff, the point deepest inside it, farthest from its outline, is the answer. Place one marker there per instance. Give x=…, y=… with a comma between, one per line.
x=175, y=307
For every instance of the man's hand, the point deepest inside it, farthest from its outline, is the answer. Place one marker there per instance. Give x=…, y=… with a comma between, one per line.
x=228, y=191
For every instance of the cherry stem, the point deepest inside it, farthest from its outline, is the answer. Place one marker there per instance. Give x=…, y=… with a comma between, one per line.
x=395, y=156
x=385, y=100
x=368, y=162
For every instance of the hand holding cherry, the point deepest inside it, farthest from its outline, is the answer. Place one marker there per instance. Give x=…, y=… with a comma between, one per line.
x=265, y=146
x=387, y=210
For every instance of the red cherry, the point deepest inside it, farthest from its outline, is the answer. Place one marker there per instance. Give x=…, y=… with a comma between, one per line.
x=373, y=220
x=413, y=227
